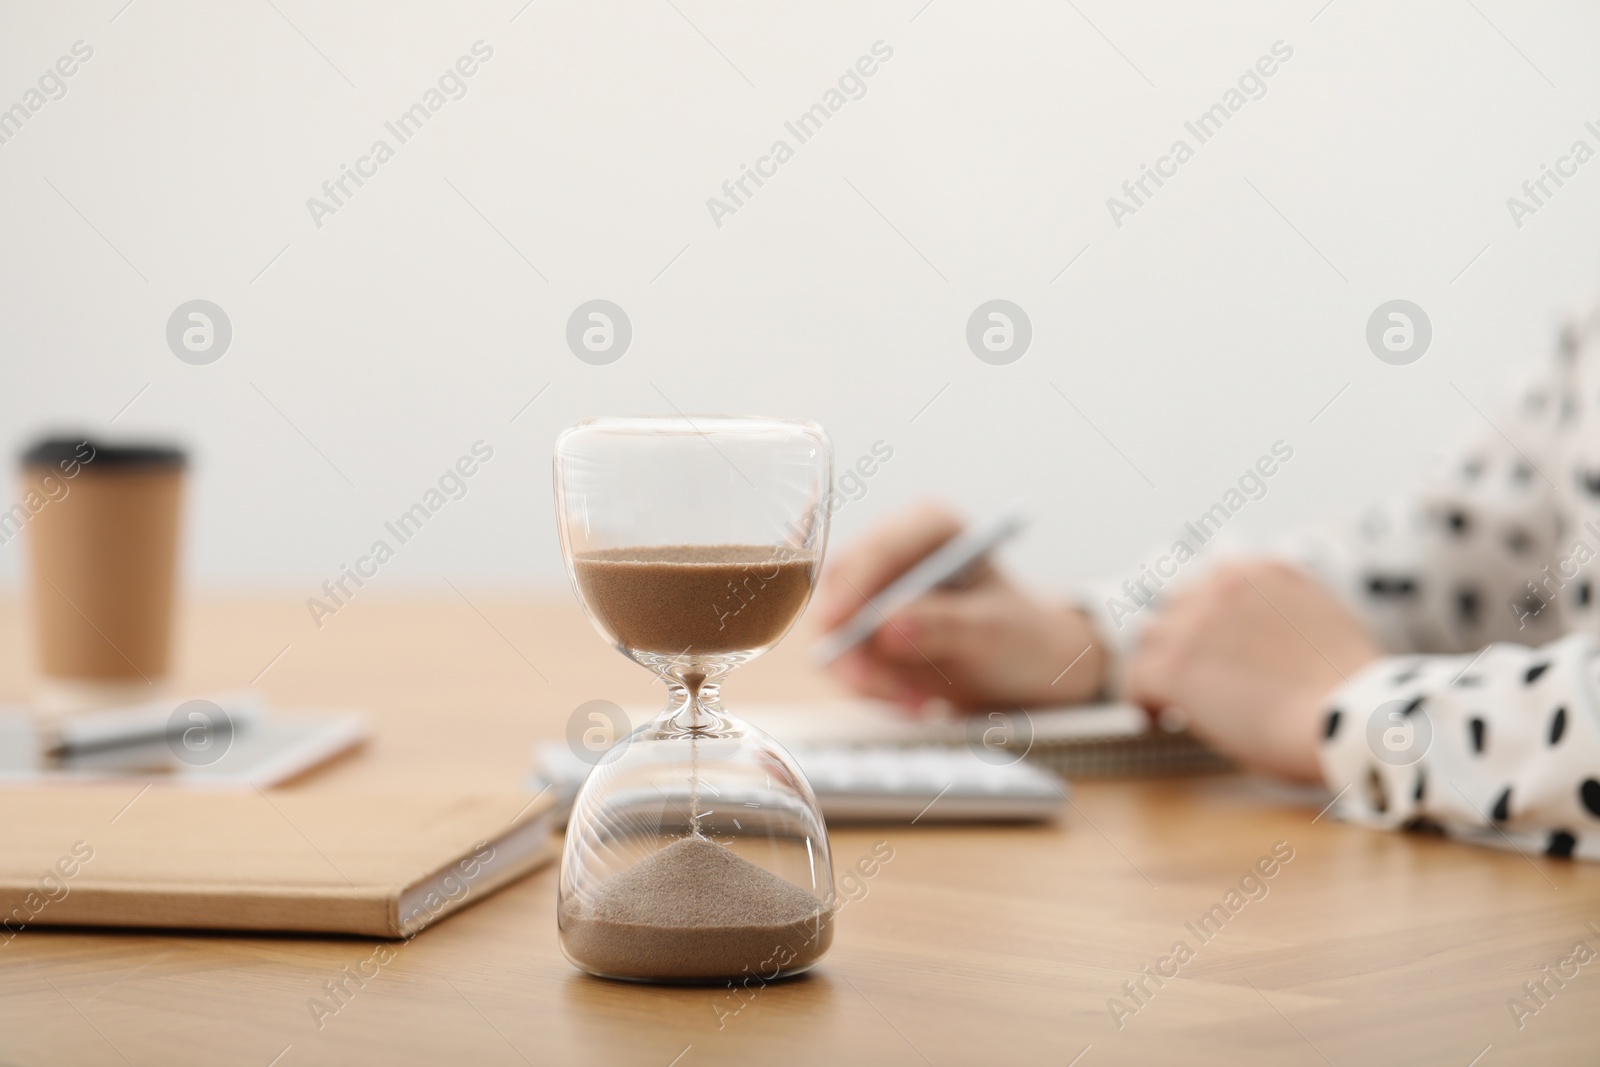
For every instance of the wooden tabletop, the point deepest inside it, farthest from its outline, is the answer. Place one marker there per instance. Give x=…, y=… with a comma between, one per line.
x=981, y=945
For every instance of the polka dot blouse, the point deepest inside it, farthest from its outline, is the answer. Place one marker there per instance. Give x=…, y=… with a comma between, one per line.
x=1484, y=724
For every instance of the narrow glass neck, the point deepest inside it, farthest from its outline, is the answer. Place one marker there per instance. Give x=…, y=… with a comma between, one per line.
x=694, y=706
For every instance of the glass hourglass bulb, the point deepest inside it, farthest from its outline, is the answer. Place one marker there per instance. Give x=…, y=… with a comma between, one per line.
x=695, y=851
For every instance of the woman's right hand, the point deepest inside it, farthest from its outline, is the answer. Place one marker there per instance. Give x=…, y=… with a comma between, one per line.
x=987, y=643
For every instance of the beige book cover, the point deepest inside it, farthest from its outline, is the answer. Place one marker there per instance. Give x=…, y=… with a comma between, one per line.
x=375, y=864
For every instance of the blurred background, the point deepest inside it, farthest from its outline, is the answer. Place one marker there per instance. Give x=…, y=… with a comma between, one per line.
x=373, y=344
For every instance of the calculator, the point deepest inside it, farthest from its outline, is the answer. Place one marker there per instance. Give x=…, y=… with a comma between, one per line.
x=901, y=784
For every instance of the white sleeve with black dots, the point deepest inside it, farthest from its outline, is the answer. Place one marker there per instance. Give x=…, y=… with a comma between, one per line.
x=1477, y=553
x=1496, y=544
x=1499, y=748
x=1484, y=549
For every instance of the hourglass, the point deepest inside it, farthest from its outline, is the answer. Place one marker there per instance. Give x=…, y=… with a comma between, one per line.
x=695, y=851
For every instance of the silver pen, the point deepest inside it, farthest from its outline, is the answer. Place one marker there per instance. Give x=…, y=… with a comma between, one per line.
x=944, y=567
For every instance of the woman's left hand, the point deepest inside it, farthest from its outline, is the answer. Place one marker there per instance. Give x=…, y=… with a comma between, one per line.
x=1252, y=654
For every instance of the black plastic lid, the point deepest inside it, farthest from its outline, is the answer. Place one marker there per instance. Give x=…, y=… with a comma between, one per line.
x=54, y=451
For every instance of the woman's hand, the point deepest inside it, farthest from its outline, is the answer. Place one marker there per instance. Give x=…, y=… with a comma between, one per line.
x=1251, y=654
x=988, y=642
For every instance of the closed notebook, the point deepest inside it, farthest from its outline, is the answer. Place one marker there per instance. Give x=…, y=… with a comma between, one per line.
x=382, y=865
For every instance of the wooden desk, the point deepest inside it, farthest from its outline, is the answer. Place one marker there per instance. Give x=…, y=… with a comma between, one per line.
x=984, y=945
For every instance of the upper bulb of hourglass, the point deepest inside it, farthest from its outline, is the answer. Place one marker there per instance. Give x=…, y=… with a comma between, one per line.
x=695, y=609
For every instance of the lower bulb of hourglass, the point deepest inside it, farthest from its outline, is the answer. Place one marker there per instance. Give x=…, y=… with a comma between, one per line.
x=696, y=853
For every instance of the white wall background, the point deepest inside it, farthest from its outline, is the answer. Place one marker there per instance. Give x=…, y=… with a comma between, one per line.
x=179, y=162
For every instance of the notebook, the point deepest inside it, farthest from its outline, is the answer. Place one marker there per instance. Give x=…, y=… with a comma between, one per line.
x=259, y=750
x=1084, y=741
x=312, y=861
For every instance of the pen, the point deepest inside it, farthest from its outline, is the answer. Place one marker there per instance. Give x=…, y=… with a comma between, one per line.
x=944, y=567
x=113, y=728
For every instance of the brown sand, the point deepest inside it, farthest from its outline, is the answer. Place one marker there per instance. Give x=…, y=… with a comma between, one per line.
x=695, y=910
x=699, y=599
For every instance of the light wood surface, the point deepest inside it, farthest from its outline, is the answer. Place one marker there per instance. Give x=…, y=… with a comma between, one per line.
x=980, y=945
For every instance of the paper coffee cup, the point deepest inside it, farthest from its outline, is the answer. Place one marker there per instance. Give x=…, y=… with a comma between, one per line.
x=102, y=531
